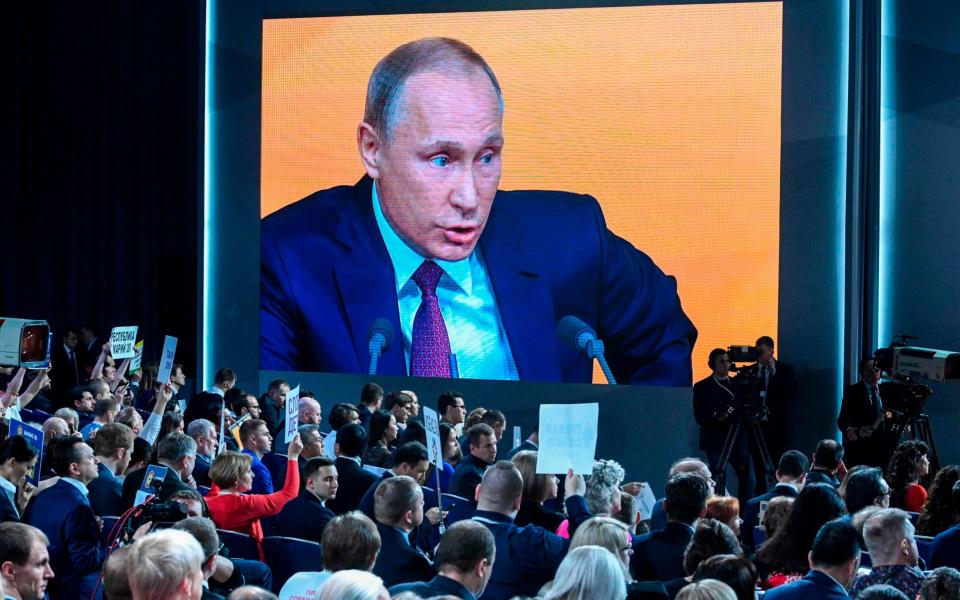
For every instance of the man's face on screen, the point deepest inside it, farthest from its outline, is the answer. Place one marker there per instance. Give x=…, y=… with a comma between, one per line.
x=438, y=175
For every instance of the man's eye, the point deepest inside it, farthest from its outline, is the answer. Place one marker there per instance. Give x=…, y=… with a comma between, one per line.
x=487, y=158
x=440, y=161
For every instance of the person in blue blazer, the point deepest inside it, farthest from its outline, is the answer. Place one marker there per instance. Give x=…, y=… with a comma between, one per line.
x=511, y=263
x=306, y=516
x=834, y=559
x=398, y=505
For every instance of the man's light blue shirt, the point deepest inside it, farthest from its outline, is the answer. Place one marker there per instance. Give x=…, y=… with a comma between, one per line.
x=467, y=303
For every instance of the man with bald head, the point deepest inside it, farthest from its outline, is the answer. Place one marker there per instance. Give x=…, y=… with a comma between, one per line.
x=426, y=241
x=658, y=519
x=527, y=557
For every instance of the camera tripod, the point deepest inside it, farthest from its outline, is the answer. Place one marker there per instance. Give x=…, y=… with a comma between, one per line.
x=737, y=429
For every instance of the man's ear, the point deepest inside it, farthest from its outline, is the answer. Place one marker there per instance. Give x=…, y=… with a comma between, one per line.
x=185, y=586
x=369, y=144
x=517, y=502
x=6, y=570
x=476, y=492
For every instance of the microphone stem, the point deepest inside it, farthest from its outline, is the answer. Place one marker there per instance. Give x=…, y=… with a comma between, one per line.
x=374, y=359
x=606, y=369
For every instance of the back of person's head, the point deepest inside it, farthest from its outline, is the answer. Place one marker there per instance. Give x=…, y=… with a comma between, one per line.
x=629, y=511
x=142, y=449
x=775, y=517
x=604, y=532
x=353, y=584
x=816, y=504
x=204, y=531
x=446, y=400
x=371, y=394
x=942, y=583
x=350, y=541
x=104, y=406
x=686, y=497
x=706, y=589
x=863, y=488
x=164, y=563
x=723, y=508
x=710, y=538
x=793, y=465
x=351, y=439
x=736, y=571
x=411, y=453
x=602, y=485
x=493, y=417
x=836, y=543
x=587, y=573
x=464, y=544
x=251, y=592
x=536, y=486
x=116, y=578
x=882, y=591
x=224, y=375
x=828, y=454
x=859, y=519
x=112, y=437
x=394, y=498
x=501, y=487
x=175, y=446
x=884, y=532
x=340, y=414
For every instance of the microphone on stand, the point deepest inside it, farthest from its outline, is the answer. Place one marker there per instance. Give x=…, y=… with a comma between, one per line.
x=379, y=338
x=584, y=339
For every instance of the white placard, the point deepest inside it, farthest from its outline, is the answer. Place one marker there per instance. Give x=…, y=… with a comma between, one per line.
x=516, y=436
x=645, y=501
x=166, y=359
x=431, y=423
x=122, y=340
x=293, y=413
x=568, y=438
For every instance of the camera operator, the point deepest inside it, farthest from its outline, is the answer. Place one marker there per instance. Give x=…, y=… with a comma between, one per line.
x=714, y=408
x=779, y=386
x=861, y=420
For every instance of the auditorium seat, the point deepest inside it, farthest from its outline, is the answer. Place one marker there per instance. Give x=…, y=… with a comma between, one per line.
x=865, y=560
x=203, y=490
x=240, y=545
x=759, y=536
x=923, y=547
x=108, y=524
x=286, y=556
x=28, y=415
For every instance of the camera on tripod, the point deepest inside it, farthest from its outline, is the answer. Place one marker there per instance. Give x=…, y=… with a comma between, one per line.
x=749, y=389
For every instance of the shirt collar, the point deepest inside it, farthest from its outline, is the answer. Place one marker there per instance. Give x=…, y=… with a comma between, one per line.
x=7, y=485
x=789, y=485
x=216, y=390
x=406, y=260
x=76, y=483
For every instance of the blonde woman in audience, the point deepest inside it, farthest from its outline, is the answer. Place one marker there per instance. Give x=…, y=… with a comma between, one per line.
x=588, y=573
x=708, y=589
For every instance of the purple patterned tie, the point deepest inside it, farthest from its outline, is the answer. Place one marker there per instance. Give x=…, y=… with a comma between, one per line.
x=430, y=346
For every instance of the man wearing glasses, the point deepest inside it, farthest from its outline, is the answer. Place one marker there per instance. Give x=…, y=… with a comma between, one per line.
x=453, y=410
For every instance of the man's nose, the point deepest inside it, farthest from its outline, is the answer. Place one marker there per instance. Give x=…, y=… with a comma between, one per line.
x=465, y=196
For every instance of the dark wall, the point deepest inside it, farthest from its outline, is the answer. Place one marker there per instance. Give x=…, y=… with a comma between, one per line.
x=923, y=123
x=101, y=203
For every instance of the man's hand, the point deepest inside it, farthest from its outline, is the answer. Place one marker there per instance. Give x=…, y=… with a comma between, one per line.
x=433, y=515
x=633, y=488
x=26, y=490
x=295, y=448
x=105, y=349
x=574, y=485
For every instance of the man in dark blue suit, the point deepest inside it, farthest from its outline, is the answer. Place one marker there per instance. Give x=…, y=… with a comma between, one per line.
x=834, y=559
x=658, y=556
x=63, y=513
x=398, y=505
x=658, y=518
x=306, y=516
x=410, y=459
x=420, y=239
x=465, y=559
x=353, y=480
x=532, y=443
x=113, y=447
x=481, y=453
x=177, y=452
x=791, y=475
x=371, y=396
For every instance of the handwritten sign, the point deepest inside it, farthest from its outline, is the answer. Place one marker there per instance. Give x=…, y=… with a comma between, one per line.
x=293, y=413
x=568, y=437
x=137, y=359
x=166, y=359
x=34, y=438
x=431, y=423
x=122, y=340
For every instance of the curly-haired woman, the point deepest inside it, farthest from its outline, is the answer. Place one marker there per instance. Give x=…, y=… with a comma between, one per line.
x=908, y=465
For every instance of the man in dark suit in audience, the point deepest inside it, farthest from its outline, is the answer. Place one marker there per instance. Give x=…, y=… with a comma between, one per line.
x=207, y=404
x=306, y=515
x=658, y=520
x=353, y=480
x=204, y=433
x=63, y=513
x=411, y=460
x=371, y=396
x=532, y=443
x=272, y=405
x=276, y=462
x=176, y=451
x=658, y=556
x=464, y=560
x=945, y=548
x=826, y=462
x=834, y=559
x=113, y=447
x=791, y=475
x=482, y=442
x=398, y=505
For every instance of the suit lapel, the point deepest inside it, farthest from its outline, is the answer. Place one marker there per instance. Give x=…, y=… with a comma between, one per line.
x=366, y=281
x=523, y=299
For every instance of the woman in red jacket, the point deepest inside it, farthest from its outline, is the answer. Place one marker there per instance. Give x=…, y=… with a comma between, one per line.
x=231, y=509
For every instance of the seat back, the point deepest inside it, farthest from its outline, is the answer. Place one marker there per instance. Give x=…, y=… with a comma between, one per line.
x=240, y=545
x=286, y=556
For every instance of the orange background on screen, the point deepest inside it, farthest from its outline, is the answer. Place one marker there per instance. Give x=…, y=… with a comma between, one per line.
x=668, y=115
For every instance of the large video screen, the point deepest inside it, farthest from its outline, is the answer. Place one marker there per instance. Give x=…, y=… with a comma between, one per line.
x=637, y=157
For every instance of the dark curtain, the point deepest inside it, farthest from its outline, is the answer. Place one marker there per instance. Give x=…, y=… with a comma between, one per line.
x=103, y=194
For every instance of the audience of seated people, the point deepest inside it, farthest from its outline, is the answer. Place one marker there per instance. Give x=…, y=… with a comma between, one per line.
x=504, y=545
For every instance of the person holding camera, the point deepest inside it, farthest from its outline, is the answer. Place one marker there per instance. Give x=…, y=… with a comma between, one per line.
x=714, y=408
x=861, y=420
